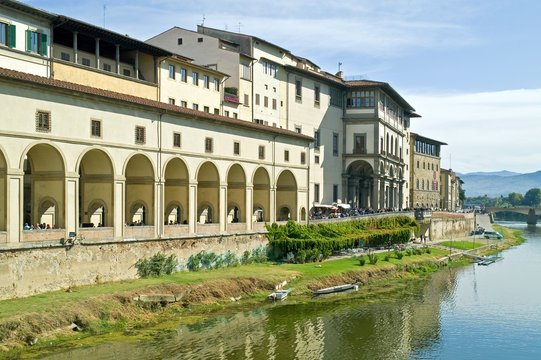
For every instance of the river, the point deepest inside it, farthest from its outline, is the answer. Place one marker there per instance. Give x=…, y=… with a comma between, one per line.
x=474, y=312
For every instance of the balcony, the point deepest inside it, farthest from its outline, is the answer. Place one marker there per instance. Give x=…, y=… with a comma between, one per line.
x=231, y=94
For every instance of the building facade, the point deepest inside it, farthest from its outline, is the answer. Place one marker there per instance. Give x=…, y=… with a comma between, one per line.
x=425, y=174
x=450, y=190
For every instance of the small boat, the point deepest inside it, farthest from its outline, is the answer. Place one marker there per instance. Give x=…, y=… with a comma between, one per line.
x=337, y=288
x=280, y=294
x=489, y=260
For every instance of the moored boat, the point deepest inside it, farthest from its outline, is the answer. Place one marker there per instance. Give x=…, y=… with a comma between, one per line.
x=337, y=288
x=280, y=294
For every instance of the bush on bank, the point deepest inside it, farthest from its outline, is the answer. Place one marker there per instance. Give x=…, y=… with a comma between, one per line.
x=326, y=238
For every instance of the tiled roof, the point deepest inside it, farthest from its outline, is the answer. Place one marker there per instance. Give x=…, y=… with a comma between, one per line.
x=156, y=105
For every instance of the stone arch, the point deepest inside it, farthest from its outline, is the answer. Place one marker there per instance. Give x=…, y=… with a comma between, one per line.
x=360, y=177
x=303, y=214
x=174, y=213
x=102, y=150
x=286, y=196
x=138, y=155
x=139, y=173
x=47, y=212
x=392, y=145
x=138, y=213
x=44, y=177
x=261, y=195
x=176, y=177
x=236, y=194
x=96, y=184
x=208, y=192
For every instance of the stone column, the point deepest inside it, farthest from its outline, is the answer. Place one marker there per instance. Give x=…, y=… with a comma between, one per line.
x=375, y=192
x=192, y=207
x=71, y=204
x=272, y=205
x=249, y=206
x=401, y=195
x=119, y=208
x=117, y=57
x=14, y=206
x=223, y=207
x=75, y=50
x=137, y=64
x=345, y=189
x=97, y=53
x=159, y=208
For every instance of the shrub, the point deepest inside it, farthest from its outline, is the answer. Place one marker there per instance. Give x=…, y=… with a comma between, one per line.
x=387, y=256
x=300, y=257
x=259, y=254
x=194, y=262
x=409, y=251
x=156, y=266
x=246, y=258
x=399, y=254
x=373, y=258
x=230, y=259
x=362, y=260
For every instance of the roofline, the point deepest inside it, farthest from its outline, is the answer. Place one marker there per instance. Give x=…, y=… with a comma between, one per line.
x=421, y=137
x=384, y=86
x=336, y=81
x=17, y=5
x=20, y=77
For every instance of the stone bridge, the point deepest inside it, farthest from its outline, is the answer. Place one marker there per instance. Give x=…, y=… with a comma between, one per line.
x=526, y=210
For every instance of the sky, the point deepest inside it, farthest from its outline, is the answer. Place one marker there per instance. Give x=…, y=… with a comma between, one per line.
x=471, y=69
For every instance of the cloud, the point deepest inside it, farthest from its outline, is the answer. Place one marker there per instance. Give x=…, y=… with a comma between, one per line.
x=485, y=131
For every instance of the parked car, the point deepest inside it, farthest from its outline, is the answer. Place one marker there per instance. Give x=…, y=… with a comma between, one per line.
x=493, y=235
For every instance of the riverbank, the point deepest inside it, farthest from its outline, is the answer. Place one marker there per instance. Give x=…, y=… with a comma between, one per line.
x=98, y=312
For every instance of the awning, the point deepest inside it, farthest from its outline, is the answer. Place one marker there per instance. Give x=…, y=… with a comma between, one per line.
x=344, y=206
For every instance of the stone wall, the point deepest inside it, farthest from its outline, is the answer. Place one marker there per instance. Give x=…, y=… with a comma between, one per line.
x=25, y=272
x=444, y=225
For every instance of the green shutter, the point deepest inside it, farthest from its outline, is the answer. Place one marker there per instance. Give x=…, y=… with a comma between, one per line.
x=12, y=36
x=28, y=40
x=44, y=44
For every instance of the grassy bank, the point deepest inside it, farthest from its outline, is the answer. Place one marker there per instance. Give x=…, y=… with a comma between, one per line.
x=462, y=245
x=111, y=307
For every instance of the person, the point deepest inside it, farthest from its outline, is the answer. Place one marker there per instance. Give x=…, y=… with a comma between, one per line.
x=26, y=227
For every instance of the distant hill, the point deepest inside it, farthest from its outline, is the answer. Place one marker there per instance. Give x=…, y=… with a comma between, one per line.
x=496, y=173
x=494, y=185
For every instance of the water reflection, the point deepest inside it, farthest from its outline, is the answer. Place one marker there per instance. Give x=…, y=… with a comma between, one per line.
x=472, y=312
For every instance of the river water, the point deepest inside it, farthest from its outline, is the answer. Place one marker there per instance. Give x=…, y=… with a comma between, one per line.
x=475, y=312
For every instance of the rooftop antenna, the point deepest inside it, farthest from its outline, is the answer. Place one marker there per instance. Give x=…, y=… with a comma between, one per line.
x=203, y=23
x=104, y=8
x=339, y=64
x=239, y=26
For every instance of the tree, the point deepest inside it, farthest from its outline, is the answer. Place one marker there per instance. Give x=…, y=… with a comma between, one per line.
x=515, y=199
x=533, y=197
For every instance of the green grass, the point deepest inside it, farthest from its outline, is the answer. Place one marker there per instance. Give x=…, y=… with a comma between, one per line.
x=463, y=245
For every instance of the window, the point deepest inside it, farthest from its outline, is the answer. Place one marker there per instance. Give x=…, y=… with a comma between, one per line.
x=261, y=152
x=335, y=144
x=316, y=193
x=43, y=121
x=226, y=113
x=298, y=90
x=194, y=79
x=269, y=69
x=245, y=71
x=183, y=75
x=176, y=140
x=206, y=109
x=274, y=104
x=64, y=56
x=236, y=148
x=316, y=95
x=417, y=187
x=298, y=129
x=95, y=128
x=235, y=115
x=206, y=81
x=36, y=42
x=257, y=99
x=195, y=107
x=183, y=103
x=423, y=185
x=417, y=164
x=171, y=101
x=360, y=99
x=208, y=145
x=179, y=41
x=303, y=158
x=336, y=97
x=216, y=111
x=423, y=165
x=286, y=155
x=126, y=72
x=335, y=193
x=317, y=139
x=107, y=67
x=359, y=144
x=266, y=101
x=316, y=159
x=200, y=39
x=7, y=34
x=246, y=100
x=217, y=84
x=86, y=62
x=171, y=71
x=140, y=135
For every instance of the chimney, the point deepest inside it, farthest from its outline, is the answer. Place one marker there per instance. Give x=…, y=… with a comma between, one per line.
x=340, y=74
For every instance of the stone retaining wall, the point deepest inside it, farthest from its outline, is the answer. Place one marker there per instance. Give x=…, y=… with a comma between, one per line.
x=43, y=235
x=38, y=270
